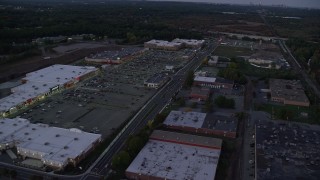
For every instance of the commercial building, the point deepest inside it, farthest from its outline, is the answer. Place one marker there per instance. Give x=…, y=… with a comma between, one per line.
x=190, y=43
x=174, y=45
x=202, y=123
x=200, y=94
x=163, y=45
x=38, y=84
x=289, y=92
x=170, y=155
x=213, y=82
x=54, y=147
x=156, y=81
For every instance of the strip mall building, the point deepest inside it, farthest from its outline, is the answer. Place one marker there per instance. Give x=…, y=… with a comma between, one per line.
x=39, y=84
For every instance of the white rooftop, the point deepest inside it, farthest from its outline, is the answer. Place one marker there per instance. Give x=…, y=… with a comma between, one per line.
x=56, y=144
x=175, y=161
x=189, y=41
x=205, y=79
x=40, y=82
x=58, y=74
x=8, y=127
x=164, y=43
x=190, y=119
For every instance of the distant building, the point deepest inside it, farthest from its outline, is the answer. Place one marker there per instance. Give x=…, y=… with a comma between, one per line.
x=200, y=94
x=213, y=60
x=170, y=155
x=49, y=40
x=39, y=84
x=174, y=45
x=190, y=43
x=213, y=82
x=54, y=147
x=169, y=68
x=289, y=92
x=163, y=45
x=156, y=81
x=202, y=123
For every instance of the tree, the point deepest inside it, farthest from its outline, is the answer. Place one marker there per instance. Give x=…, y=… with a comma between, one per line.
x=36, y=177
x=189, y=80
x=285, y=114
x=224, y=102
x=135, y=145
x=194, y=105
x=181, y=102
x=121, y=160
x=131, y=37
x=13, y=174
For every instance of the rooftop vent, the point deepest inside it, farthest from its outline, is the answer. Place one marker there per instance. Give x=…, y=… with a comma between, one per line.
x=57, y=135
x=65, y=147
x=76, y=139
x=26, y=133
x=14, y=124
x=46, y=143
x=33, y=129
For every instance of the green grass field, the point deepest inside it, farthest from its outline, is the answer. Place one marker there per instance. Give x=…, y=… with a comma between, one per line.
x=247, y=69
x=227, y=51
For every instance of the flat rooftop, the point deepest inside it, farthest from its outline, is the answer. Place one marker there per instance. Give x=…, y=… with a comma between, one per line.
x=57, y=144
x=193, y=42
x=163, y=43
x=200, y=91
x=181, y=138
x=287, y=150
x=190, y=119
x=202, y=120
x=171, y=160
x=205, y=79
x=40, y=82
x=288, y=89
x=59, y=74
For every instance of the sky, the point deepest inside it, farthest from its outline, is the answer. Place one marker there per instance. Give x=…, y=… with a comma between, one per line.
x=290, y=3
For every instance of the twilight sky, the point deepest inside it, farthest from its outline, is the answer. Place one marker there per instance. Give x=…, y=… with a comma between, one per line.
x=291, y=3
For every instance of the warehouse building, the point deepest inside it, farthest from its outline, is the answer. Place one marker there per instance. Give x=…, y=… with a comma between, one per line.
x=213, y=82
x=39, y=84
x=170, y=155
x=54, y=147
x=288, y=92
x=202, y=123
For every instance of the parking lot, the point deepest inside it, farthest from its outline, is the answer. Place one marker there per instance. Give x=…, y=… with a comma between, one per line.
x=101, y=104
x=287, y=150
